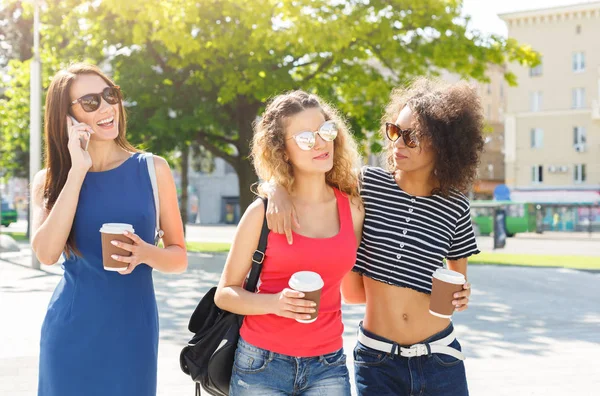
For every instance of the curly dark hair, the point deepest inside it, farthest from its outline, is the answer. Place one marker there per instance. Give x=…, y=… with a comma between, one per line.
x=450, y=118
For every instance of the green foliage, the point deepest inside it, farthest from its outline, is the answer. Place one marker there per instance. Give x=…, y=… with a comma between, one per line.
x=198, y=72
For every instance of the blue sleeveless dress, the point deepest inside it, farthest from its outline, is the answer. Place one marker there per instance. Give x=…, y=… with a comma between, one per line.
x=100, y=333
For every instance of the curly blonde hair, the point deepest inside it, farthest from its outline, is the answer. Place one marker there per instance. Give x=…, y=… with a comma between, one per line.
x=450, y=118
x=268, y=144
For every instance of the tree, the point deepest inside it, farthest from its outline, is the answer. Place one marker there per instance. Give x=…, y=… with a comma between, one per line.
x=16, y=39
x=163, y=114
x=201, y=72
x=15, y=33
x=240, y=52
x=57, y=50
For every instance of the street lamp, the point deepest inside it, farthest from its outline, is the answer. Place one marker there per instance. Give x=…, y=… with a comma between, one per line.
x=35, y=143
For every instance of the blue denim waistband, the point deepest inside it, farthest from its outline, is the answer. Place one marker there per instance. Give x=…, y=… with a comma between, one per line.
x=435, y=337
x=264, y=352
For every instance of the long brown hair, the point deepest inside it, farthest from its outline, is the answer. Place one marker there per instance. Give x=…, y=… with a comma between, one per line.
x=57, y=157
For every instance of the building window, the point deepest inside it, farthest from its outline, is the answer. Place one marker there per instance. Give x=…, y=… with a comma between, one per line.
x=536, y=71
x=578, y=98
x=579, y=173
x=489, y=89
x=537, y=173
x=537, y=138
x=579, y=139
x=578, y=62
x=578, y=29
x=535, y=101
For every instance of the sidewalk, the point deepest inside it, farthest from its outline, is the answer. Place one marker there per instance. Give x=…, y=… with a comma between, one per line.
x=528, y=331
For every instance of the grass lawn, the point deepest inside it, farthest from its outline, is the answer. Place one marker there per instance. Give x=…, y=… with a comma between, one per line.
x=535, y=260
x=17, y=236
x=527, y=260
x=208, y=247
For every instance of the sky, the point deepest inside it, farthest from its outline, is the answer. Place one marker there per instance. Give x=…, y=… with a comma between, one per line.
x=484, y=13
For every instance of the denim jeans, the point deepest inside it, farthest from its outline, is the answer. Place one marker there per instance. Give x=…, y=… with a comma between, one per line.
x=257, y=371
x=382, y=374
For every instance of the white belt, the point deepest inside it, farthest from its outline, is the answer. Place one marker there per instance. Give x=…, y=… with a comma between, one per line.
x=437, y=346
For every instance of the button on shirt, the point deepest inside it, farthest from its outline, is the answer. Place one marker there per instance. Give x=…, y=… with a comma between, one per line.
x=406, y=238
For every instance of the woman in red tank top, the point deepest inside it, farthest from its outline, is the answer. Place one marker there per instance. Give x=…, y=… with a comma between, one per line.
x=304, y=145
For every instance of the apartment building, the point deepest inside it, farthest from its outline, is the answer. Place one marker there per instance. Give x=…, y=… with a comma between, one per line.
x=552, y=118
x=493, y=100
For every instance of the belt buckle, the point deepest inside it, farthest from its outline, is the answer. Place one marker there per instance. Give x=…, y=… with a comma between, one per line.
x=414, y=351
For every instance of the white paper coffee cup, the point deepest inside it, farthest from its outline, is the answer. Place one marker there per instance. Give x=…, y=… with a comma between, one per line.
x=445, y=283
x=114, y=232
x=310, y=283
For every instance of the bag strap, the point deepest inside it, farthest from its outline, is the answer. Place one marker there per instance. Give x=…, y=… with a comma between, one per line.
x=259, y=255
x=152, y=173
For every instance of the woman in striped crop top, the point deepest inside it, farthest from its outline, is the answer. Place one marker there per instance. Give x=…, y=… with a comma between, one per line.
x=416, y=216
x=303, y=144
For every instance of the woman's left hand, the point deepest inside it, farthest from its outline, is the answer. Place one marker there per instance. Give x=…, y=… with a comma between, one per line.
x=139, y=252
x=461, y=299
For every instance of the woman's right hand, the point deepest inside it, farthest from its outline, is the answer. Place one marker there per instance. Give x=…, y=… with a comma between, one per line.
x=80, y=159
x=280, y=211
x=290, y=304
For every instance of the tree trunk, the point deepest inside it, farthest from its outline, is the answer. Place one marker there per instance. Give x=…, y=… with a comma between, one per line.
x=185, y=157
x=245, y=114
x=246, y=178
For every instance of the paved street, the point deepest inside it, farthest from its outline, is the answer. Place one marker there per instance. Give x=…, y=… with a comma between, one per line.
x=528, y=331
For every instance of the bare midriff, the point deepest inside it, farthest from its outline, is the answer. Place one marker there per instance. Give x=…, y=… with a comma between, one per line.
x=399, y=314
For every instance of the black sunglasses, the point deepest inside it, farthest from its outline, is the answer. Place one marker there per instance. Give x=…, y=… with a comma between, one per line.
x=91, y=102
x=394, y=132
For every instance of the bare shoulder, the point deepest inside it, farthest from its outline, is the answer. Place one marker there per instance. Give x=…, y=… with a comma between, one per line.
x=248, y=230
x=40, y=178
x=37, y=187
x=161, y=164
x=255, y=212
x=163, y=170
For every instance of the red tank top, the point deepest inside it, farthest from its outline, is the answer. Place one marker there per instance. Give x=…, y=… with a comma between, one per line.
x=332, y=258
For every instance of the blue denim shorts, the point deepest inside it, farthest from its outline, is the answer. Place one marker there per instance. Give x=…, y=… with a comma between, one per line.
x=257, y=371
x=385, y=374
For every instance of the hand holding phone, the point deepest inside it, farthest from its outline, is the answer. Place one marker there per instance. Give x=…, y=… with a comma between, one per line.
x=84, y=140
x=79, y=138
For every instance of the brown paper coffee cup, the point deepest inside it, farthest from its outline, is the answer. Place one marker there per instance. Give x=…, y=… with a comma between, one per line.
x=114, y=232
x=311, y=284
x=444, y=284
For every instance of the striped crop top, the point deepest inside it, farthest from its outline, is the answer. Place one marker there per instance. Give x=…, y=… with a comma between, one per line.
x=405, y=238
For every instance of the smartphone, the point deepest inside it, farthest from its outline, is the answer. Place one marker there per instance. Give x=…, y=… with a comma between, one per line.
x=85, y=142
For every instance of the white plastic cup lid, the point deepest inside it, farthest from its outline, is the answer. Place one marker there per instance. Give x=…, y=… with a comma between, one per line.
x=116, y=228
x=306, y=281
x=449, y=276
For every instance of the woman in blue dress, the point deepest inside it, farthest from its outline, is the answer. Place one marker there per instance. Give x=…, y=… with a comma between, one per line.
x=100, y=333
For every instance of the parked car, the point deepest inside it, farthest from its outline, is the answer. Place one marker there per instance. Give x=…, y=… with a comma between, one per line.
x=9, y=213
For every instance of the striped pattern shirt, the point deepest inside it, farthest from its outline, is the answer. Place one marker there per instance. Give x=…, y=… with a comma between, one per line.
x=406, y=238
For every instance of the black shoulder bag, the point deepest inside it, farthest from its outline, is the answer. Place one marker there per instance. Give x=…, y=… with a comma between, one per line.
x=208, y=357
